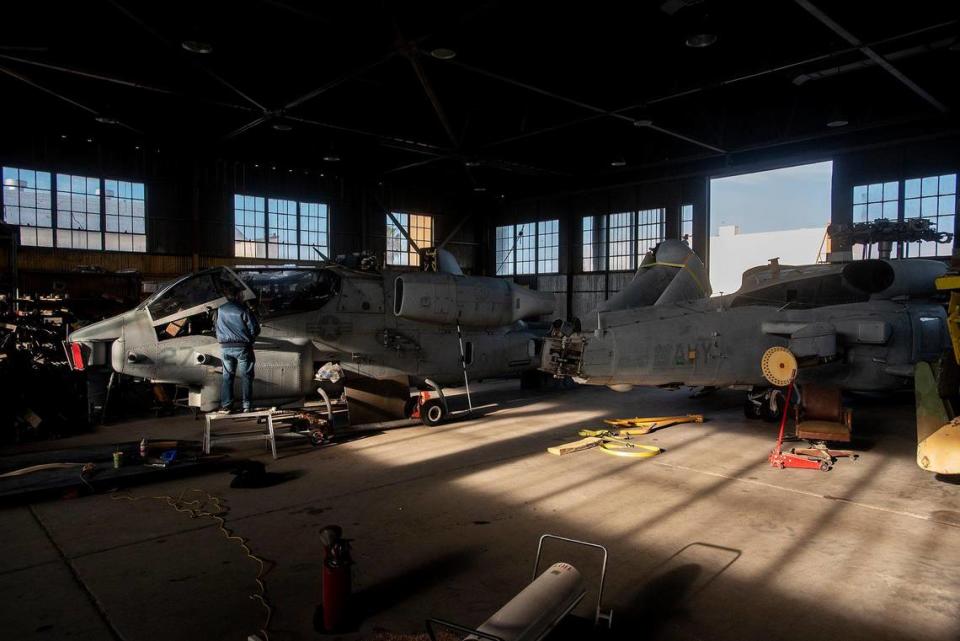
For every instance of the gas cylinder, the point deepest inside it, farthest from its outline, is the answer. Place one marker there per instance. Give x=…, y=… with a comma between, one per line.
x=335, y=580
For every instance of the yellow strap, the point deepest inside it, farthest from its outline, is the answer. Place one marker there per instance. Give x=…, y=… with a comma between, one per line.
x=634, y=450
x=682, y=265
x=594, y=433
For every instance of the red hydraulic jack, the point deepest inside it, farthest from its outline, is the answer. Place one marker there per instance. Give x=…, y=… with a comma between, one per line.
x=781, y=460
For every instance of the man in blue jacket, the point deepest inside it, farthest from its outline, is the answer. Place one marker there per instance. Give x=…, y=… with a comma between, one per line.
x=237, y=329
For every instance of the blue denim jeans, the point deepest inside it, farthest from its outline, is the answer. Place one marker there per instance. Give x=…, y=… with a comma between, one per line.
x=237, y=360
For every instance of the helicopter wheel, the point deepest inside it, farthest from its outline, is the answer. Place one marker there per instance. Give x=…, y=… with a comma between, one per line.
x=771, y=406
x=752, y=408
x=432, y=412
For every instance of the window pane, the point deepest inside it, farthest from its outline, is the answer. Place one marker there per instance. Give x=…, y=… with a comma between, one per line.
x=859, y=194
x=911, y=188
x=948, y=184
x=891, y=190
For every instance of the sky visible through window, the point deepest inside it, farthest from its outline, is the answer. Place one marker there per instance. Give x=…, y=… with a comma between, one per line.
x=761, y=206
x=790, y=198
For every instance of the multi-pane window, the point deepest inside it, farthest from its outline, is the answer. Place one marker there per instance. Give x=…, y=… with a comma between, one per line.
x=282, y=223
x=504, y=250
x=75, y=212
x=650, y=230
x=933, y=198
x=528, y=248
x=686, y=224
x=27, y=203
x=526, y=252
x=78, y=212
x=419, y=227
x=876, y=201
x=314, y=240
x=594, y=243
x=249, y=226
x=548, y=246
x=280, y=228
x=421, y=232
x=629, y=236
x=125, y=220
x=620, y=230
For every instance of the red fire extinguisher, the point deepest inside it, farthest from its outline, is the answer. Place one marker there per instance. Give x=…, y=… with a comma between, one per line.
x=335, y=582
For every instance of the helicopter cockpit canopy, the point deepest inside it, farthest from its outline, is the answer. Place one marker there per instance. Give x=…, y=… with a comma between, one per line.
x=290, y=290
x=193, y=294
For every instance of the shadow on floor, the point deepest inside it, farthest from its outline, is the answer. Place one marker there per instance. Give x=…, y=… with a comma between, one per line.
x=371, y=600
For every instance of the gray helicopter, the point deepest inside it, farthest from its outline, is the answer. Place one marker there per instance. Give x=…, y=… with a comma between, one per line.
x=385, y=331
x=858, y=326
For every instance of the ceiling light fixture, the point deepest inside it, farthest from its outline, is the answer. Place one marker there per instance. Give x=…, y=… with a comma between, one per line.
x=837, y=122
x=63, y=136
x=442, y=53
x=331, y=157
x=700, y=40
x=89, y=139
x=471, y=163
x=107, y=120
x=618, y=162
x=479, y=189
x=197, y=46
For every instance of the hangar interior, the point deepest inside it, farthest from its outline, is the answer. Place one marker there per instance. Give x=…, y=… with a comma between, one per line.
x=569, y=161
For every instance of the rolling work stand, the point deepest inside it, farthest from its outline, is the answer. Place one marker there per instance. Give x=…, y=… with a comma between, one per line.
x=274, y=423
x=539, y=607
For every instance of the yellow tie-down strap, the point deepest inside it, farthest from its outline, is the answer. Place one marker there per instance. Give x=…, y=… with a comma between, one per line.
x=682, y=266
x=643, y=425
x=611, y=444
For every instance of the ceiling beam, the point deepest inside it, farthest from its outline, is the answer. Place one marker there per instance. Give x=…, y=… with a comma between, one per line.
x=617, y=115
x=387, y=140
x=176, y=47
x=60, y=96
x=869, y=52
x=119, y=81
x=719, y=84
x=414, y=57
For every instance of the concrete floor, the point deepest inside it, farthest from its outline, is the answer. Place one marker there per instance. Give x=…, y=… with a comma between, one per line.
x=706, y=541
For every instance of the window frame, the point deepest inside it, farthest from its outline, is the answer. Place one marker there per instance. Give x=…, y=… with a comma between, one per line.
x=509, y=255
x=132, y=199
x=292, y=251
x=58, y=233
x=604, y=237
x=406, y=221
x=893, y=199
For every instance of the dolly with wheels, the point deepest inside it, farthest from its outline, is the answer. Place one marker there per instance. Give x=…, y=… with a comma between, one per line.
x=539, y=607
